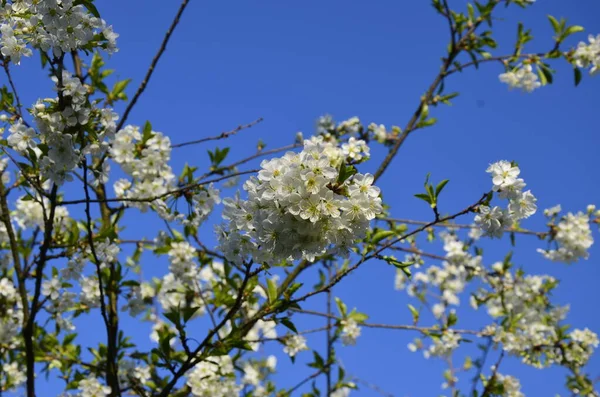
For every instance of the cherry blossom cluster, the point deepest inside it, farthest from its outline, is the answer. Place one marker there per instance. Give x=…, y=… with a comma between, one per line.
x=58, y=25
x=522, y=77
x=572, y=236
x=327, y=128
x=54, y=118
x=511, y=386
x=185, y=278
x=91, y=387
x=533, y=328
x=145, y=158
x=29, y=213
x=11, y=317
x=507, y=184
x=255, y=372
x=588, y=55
x=525, y=300
x=581, y=348
x=441, y=346
x=450, y=279
x=213, y=378
x=301, y=205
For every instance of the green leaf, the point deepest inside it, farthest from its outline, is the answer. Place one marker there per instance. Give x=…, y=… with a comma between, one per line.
x=380, y=235
x=577, y=75
x=358, y=317
x=271, y=290
x=471, y=11
x=173, y=316
x=405, y=267
x=120, y=86
x=424, y=197
x=427, y=123
x=441, y=186
x=89, y=5
x=188, y=312
x=286, y=321
x=555, y=24
x=545, y=74
x=341, y=306
x=319, y=362
x=573, y=29
x=415, y=313
x=452, y=319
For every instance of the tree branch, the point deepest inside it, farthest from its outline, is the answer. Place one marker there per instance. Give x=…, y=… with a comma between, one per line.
x=161, y=50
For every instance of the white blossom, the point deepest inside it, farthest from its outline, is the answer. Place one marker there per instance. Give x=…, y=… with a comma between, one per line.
x=294, y=344
x=350, y=331
x=522, y=77
x=296, y=208
x=573, y=237
x=588, y=55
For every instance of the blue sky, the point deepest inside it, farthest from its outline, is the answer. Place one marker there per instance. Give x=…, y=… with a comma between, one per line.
x=230, y=62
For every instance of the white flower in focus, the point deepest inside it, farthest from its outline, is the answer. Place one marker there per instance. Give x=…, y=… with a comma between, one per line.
x=574, y=238
x=588, y=55
x=294, y=344
x=492, y=220
x=350, y=331
x=355, y=149
x=504, y=174
x=523, y=206
x=91, y=387
x=523, y=77
x=51, y=288
x=21, y=137
x=12, y=46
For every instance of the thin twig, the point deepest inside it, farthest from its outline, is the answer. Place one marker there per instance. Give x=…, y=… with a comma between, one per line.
x=372, y=386
x=426, y=99
x=222, y=135
x=393, y=326
x=13, y=87
x=161, y=50
x=307, y=379
x=157, y=197
x=463, y=226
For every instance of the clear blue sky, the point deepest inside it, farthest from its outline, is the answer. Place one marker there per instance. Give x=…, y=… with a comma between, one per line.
x=231, y=62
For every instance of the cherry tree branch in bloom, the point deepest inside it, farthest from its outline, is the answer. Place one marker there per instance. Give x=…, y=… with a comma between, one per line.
x=303, y=211
x=160, y=196
x=338, y=277
x=196, y=355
